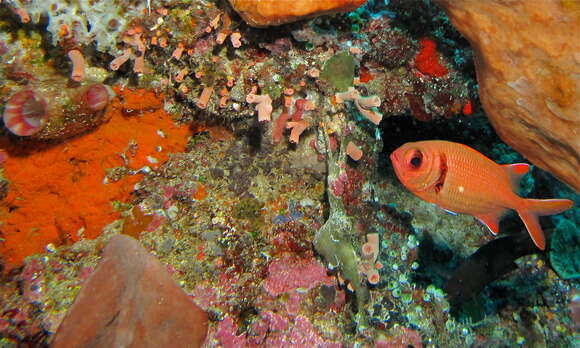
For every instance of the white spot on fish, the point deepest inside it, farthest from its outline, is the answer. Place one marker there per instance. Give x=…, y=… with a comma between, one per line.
x=461, y=189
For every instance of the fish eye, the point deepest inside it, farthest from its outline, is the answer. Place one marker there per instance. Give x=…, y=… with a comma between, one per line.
x=416, y=159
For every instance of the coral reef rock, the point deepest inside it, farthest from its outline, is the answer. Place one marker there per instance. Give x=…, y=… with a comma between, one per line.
x=527, y=57
x=276, y=12
x=131, y=301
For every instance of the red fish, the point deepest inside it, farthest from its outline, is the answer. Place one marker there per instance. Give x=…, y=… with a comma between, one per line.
x=459, y=179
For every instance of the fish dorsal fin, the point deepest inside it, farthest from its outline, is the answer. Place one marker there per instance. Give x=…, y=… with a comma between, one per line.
x=491, y=220
x=515, y=172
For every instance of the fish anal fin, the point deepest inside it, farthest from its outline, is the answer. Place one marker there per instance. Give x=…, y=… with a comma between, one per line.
x=491, y=220
x=534, y=228
x=515, y=172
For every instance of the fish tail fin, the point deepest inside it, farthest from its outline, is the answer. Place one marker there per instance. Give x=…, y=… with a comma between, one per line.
x=532, y=208
x=542, y=207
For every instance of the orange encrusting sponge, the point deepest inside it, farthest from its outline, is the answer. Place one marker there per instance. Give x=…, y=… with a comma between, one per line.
x=57, y=192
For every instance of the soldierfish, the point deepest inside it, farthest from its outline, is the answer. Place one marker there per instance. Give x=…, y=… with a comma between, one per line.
x=460, y=179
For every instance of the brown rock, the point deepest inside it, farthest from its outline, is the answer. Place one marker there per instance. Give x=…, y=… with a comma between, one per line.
x=265, y=13
x=527, y=58
x=131, y=301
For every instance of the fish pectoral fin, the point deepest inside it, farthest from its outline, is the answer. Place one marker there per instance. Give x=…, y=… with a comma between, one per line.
x=491, y=220
x=515, y=172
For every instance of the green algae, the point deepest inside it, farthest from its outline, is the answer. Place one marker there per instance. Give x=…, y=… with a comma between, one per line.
x=338, y=71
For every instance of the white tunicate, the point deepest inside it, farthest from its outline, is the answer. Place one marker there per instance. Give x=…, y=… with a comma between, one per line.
x=172, y=212
x=93, y=21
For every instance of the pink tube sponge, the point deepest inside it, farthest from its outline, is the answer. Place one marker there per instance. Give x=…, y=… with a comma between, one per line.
x=263, y=105
x=78, y=72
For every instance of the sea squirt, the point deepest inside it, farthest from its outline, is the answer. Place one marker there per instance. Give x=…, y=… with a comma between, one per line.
x=58, y=113
x=26, y=113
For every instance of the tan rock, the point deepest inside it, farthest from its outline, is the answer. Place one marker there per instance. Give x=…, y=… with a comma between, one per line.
x=527, y=59
x=131, y=301
x=263, y=13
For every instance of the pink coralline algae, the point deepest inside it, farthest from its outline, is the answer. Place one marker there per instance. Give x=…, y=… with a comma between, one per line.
x=403, y=338
x=205, y=297
x=347, y=186
x=293, y=303
x=290, y=272
x=338, y=186
x=304, y=335
x=273, y=330
x=268, y=331
x=226, y=334
x=32, y=278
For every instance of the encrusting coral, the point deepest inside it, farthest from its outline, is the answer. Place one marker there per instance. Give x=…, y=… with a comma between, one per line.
x=56, y=192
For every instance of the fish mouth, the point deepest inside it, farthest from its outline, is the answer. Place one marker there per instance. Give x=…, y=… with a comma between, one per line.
x=393, y=156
